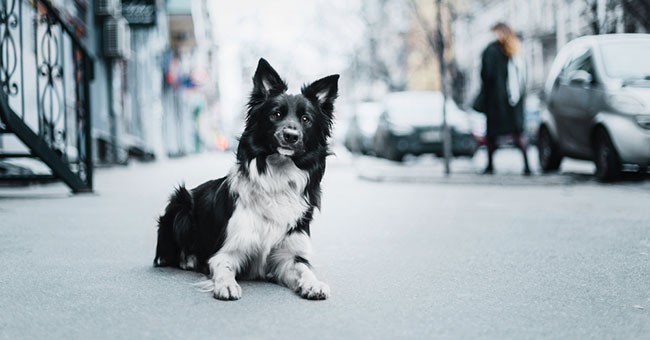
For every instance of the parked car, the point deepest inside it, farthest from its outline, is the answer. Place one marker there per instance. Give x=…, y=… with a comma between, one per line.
x=362, y=126
x=598, y=105
x=411, y=123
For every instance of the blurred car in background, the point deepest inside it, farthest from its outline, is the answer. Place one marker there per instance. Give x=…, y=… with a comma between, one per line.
x=360, y=134
x=411, y=123
x=598, y=105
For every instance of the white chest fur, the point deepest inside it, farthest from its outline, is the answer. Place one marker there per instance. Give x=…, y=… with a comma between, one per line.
x=268, y=205
x=277, y=195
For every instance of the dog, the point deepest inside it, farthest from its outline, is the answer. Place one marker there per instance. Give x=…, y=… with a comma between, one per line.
x=254, y=222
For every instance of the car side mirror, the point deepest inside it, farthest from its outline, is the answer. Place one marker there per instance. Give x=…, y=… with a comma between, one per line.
x=580, y=77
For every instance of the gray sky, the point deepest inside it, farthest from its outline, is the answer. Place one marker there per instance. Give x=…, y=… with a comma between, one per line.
x=301, y=39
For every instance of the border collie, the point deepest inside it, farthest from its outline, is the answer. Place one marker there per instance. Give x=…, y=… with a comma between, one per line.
x=254, y=222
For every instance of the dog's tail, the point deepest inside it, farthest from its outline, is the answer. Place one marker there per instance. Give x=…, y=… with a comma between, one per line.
x=205, y=286
x=174, y=228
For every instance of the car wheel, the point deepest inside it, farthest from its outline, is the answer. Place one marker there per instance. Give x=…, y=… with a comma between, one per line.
x=548, y=151
x=608, y=165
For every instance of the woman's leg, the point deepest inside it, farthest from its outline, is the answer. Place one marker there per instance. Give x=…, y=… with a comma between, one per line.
x=520, y=142
x=491, y=144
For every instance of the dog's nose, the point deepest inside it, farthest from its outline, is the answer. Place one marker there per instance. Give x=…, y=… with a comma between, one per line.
x=290, y=136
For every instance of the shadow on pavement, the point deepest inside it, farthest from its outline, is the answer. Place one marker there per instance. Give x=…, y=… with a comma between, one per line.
x=253, y=289
x=33, y=196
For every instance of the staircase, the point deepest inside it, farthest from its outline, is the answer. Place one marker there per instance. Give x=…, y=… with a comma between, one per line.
x=45, y=70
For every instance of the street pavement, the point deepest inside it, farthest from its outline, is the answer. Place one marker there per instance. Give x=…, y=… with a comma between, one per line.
x=408, y=253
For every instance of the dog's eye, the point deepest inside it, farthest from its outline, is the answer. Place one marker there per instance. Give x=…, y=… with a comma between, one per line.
x=305, y=119
x=276, y=115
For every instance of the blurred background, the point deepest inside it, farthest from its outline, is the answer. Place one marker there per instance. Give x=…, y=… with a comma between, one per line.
x=102, y=82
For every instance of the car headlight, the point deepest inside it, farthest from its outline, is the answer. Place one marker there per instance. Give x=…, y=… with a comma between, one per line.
x=643, y=121
x=626, y=103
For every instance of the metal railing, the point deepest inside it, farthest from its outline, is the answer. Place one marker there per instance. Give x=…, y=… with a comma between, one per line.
x=45, y=70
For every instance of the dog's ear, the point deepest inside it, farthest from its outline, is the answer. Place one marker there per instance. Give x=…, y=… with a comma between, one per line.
x=323, y=91
x=266, y=81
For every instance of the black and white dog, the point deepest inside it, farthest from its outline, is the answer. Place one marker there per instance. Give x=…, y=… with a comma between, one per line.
x=254, y=223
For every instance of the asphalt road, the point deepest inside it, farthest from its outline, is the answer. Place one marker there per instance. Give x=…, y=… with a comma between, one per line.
x=408, y=254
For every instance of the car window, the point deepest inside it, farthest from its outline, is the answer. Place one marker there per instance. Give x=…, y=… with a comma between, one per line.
x=581, y=60
x=410, y=108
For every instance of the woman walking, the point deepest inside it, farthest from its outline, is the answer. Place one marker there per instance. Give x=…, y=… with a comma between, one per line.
x=502, y=93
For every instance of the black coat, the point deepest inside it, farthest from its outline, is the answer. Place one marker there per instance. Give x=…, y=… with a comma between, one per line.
x=502, y=119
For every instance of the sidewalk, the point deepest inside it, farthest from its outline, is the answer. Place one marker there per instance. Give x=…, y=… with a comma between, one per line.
x=464, y=171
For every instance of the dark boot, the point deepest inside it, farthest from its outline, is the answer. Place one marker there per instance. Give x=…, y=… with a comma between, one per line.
x=490, y=143
x=526, y=167
x=521, y=143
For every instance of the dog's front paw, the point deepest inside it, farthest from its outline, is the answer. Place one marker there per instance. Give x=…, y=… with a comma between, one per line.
x=314, y=290
x=227, y=290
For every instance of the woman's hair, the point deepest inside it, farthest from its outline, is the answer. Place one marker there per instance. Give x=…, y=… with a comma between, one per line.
x=507, y=38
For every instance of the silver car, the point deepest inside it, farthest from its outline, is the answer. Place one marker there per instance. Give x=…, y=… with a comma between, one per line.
x=598, y=105
x=411, y=123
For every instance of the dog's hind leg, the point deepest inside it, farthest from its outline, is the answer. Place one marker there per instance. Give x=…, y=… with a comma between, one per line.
x=289, y=265
x=188, y=262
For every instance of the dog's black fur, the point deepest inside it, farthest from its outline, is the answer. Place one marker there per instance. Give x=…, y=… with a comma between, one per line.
x=195, y=222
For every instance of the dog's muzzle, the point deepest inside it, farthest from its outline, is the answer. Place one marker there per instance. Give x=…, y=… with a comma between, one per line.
x=290, y=136
x=289, y=140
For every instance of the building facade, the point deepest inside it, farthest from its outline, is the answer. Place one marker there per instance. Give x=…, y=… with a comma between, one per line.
x=88, y=82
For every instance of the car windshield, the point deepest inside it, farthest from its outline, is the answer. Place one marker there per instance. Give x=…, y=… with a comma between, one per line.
x=628, y=60
x=367, y=115
x=418, y=107
x=368, y=111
